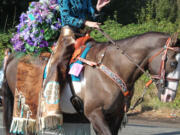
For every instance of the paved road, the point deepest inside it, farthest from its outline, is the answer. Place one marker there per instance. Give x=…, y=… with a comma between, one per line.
x=138, y=127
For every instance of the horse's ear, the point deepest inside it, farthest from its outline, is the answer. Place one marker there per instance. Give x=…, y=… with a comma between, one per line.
x=174, y=38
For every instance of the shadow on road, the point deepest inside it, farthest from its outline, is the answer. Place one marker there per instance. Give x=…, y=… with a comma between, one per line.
x=169, y=133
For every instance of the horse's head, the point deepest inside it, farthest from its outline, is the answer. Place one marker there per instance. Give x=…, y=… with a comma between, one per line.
x=164, y=66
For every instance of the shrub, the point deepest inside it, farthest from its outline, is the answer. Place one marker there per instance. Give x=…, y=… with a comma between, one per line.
x=159, y=10
x=5, y=42
x=118, y=31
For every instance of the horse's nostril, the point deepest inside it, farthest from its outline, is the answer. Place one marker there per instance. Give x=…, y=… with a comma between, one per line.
x=174, y=64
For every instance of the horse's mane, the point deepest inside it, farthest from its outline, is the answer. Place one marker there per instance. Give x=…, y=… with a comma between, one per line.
x=131, y=38
x=160, y=34
x=129, y=42
x=146, y=34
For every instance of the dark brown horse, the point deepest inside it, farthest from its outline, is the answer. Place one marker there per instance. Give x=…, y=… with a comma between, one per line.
x=103, y=100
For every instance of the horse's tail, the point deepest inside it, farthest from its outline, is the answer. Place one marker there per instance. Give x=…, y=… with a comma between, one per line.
x=8, y=100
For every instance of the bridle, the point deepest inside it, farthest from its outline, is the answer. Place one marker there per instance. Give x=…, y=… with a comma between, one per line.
x=161, y=77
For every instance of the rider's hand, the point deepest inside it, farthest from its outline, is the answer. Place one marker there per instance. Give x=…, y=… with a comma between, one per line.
x=101, y=3
x=92, y=24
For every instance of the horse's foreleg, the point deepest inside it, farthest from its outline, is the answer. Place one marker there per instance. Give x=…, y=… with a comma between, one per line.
x=98, y=122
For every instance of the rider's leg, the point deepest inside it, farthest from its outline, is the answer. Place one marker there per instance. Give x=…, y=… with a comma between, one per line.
x=51, y=116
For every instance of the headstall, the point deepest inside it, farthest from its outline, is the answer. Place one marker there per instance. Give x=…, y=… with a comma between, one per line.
x=161, y=76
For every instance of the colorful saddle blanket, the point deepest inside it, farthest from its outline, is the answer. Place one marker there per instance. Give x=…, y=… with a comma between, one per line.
x=82, y=47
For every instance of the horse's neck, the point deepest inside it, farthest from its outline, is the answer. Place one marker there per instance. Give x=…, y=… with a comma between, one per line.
x=138, y=49
x=125, y=63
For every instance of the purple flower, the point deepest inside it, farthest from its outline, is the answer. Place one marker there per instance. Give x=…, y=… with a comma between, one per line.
x=23, y=17
x=34, y=25
x=53, y=2
x=43, y=44
x=42, y=31
x=54, y=27
x=34, y=31
x=23, y=50
x=33, y=4
x=18, y=27
x=49, y=21
x=35, y=43
x=41, y=17
x=15, y=38
x=44, y=14
x=25, y=33
x=59, y=20
x=58, y=25
x=17, y=42
x=18, y=45
x=31, y=43
x=32, y=36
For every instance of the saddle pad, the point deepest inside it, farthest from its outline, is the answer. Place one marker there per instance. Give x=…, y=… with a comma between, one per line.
x=79, y=46
x=83, y=55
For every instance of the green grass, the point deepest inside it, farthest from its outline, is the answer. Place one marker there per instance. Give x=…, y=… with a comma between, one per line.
x=151, y=98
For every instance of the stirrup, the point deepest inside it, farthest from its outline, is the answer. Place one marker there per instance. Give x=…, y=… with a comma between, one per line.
x=78, y=104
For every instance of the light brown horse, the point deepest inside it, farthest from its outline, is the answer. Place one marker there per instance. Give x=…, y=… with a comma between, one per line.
x=103, y=100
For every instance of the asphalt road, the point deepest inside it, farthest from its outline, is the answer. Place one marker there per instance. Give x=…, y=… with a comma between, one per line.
x=138, y=127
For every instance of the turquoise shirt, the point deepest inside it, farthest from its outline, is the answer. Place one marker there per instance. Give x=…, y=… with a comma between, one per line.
x=76, y=12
